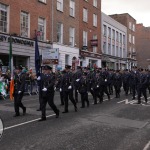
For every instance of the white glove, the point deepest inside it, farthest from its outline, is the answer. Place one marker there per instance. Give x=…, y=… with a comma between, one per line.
x=105, y=80
x=19, y=92
x=60, y=90
x=39, y=78
x=78, y=80
x=97, y=86
x=70, y=87
x=92, y=89
x=77, y=91
x=54, y=88
x=44, y=89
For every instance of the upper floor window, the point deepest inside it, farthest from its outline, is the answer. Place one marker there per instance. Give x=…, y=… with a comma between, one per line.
x=85, y=15
x=60, y=5
x=42, y=28
x=95, y=3
x=59, y=32
x=113, y=34
x=109, y=32
x=24, y=24
x=71, y=36
x=133, y=40
x=120, y=38
x=104, y=30
x=72, y=8
x=130, y=25
x=95, y=20
x=133, y=27
x=85, y=38
x=95, y=47
x=124, y=40
x=3, y=18
x=117, y=36
x=130, y=38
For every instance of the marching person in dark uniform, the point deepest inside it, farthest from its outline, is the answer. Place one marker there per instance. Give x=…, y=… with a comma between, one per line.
x=19, y=81
x=142, y=80
x=110, y=81
x=48, y=82
x=96, y=87
x=77, y=77
x=83, y=89
x=133, y=81
x=59, y=76
x=117, y=83
x=126, y=81
x=67, y=88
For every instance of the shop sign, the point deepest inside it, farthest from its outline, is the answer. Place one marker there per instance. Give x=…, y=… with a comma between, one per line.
x=94, y=42
x=6, y=38
x=50, y=56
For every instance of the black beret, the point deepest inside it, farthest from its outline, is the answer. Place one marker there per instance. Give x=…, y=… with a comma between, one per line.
x=67, y=66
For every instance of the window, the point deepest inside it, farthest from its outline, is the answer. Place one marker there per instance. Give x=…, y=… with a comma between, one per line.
x=3, y=18
x=60, y=5
x=130, y=25
x=120, y=52
x=71, y=36
x=109, y=49
x=42, y=29
x=104, y=47
x=117, y=51
x=130, y=38
x=133, y=27
x=66, y=59
x=85, y=38
x=124, y=39
x=95, y=47
x=85, y=15
x=95, y=3
x=104, y=30
x=117, y=36
x=120, y=38
x=109, y=32
x=24, y=24
x=72, y=8
x=43, y=1
x=113, y=50
x=113, y=34
x=133, y=39
x=95, y=20
x=59, y=32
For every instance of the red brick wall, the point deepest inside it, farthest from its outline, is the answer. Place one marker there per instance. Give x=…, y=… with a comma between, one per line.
x=143, y=45
x=88, y=27
x=34, y=8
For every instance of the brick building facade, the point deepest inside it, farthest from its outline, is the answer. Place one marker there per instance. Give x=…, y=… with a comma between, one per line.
x=143, y=46
x=90, y=32
x=130, y=23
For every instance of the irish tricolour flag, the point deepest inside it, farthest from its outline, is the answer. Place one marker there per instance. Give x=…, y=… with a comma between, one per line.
x=11, y=69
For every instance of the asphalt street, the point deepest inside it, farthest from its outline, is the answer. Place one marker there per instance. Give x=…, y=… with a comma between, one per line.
x=118, y=124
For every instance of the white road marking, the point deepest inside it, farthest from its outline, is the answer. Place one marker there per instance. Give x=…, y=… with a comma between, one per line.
x=123, y=101
x=147, y=146
x=26, y=122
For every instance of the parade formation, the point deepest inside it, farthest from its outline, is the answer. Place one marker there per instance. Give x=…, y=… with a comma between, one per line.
x=71, y=85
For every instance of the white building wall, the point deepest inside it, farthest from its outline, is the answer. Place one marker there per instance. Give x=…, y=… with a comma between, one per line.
x=66, y=50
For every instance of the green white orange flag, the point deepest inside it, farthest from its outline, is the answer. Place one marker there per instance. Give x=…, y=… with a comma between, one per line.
x=11, y=70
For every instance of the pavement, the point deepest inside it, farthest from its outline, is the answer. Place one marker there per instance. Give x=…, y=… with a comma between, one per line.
x=118, y=124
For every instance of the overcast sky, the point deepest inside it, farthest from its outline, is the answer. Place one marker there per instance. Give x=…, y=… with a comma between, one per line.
x=138, y=9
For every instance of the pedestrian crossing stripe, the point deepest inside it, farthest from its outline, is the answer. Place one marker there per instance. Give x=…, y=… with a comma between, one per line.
x=133, y=102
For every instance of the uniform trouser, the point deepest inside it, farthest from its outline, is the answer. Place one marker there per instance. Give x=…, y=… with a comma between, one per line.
x=110, y=88
x=84, y=98
x=40, y=98
x=141, y=91
x=17, y=102
x=61, y=98
x=96, y=94
x=91, y=91
x=69, y=95
x=50, y=99
x=76, y=95
x=103, y=90
x=126, y=88
x=117, y=90
x=133, y=88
